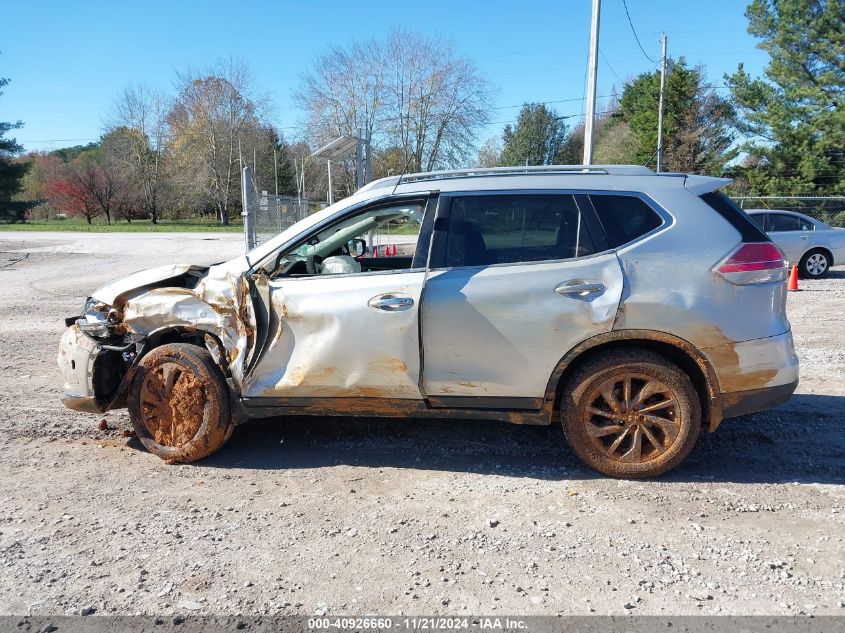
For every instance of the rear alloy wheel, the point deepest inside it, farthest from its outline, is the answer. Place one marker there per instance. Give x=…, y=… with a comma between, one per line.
x=631, y=414
x=179, y=403
x=814, y=265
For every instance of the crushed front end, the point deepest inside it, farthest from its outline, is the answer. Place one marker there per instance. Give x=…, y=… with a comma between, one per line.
x=95, y=355
x=205, y=306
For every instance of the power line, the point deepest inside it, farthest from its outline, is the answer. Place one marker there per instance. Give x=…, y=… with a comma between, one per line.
x=634, y=31
x=606, y=61
x=548, y=102
x=534, y=103
x=584, y=84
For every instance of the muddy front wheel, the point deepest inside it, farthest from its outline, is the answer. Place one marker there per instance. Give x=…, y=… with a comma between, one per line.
x=179, y=403
x=631, y=414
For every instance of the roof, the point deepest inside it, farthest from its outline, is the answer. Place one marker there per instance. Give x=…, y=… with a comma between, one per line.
x=575, y=176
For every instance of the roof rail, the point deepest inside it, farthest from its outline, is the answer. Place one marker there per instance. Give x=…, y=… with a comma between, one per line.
x=576, y=170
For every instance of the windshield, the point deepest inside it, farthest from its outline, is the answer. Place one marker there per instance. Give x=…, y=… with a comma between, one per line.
x=262, y=251
x=354, y=236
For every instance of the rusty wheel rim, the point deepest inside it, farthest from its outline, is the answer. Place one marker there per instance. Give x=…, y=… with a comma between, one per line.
x=172, y=404
x=632, y=418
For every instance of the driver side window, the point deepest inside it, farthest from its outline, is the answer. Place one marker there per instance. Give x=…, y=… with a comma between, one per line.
x=381, y=238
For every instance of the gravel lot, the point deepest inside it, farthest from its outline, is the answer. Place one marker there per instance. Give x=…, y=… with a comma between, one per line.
x=366, y=516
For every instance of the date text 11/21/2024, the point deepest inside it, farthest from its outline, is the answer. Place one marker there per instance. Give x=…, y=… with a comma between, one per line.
x=416, y=623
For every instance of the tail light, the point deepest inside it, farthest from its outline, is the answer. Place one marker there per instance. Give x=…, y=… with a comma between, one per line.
x=755, y=263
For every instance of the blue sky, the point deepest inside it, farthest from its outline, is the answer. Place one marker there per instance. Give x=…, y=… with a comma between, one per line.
x=67, y=61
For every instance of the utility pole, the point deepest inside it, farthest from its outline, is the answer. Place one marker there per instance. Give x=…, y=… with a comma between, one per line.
x=359, y=161
x=660, y=106
x=276, y=170
x=592, y=71
x=248, y=205
x=331, y=195
x=368, y=163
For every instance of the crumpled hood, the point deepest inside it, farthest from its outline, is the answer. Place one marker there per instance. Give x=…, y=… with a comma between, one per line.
x=115, y=291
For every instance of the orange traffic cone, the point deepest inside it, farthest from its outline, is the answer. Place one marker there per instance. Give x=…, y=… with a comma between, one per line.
x=394, y=250
x=375, y=251
x=793, y=279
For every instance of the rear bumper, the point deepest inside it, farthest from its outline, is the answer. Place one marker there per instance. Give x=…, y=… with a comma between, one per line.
x=755, y=375
x=754, y=400
x=756, y=364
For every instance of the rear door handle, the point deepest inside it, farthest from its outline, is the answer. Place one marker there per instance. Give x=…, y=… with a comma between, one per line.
x=391, y=303
x=581, y=289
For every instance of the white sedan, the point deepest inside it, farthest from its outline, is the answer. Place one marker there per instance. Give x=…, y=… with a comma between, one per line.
x=811, y=244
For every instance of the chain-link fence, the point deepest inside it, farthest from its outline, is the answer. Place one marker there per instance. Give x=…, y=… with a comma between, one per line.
x=266, y=215
x=827, y=209
x=273, y=214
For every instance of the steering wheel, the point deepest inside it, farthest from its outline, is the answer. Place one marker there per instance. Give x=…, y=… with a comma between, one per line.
x=314, y=264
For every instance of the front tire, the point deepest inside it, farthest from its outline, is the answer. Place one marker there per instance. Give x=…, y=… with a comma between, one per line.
x=815, y=264
x=631, y=413
x=179, y=403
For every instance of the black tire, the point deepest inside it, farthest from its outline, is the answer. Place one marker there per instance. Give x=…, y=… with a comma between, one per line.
x=666, y=431
x=179, y=403
x=815, y=264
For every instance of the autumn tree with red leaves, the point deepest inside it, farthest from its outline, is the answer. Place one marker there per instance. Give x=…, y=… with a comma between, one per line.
x=69, y=195
x=96, y=183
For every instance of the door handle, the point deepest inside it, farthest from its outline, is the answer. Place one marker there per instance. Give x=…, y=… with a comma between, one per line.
x=805, y=237
x=580, y=289
x=391, y=303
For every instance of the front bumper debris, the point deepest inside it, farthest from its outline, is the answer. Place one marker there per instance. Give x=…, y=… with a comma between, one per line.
x=77, y=353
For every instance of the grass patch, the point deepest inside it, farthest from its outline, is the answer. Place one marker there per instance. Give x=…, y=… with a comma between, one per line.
x=401, y=226
x=137, y=226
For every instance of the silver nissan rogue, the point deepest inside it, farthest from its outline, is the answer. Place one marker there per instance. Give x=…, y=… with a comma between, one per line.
x=636, y=309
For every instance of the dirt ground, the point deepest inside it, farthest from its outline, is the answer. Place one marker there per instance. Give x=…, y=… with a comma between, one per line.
x=398, y=516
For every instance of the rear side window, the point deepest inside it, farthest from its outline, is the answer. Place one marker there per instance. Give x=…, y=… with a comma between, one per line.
x=738, y=218
x=505, y=229
x=785, y=222
x=759, y=219
x=624, y=218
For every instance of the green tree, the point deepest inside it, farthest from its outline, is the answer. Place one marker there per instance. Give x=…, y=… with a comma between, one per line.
x=537, y=138
x=68, y=154
x=11, y=172
x=698, y=131
x=795, y=117
x=615, y=143
x=42, y=168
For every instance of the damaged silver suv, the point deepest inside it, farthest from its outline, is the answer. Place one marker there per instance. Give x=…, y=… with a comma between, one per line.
x=637, y=309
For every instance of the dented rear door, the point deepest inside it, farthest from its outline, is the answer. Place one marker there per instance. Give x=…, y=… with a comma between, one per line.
x=539, y=281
